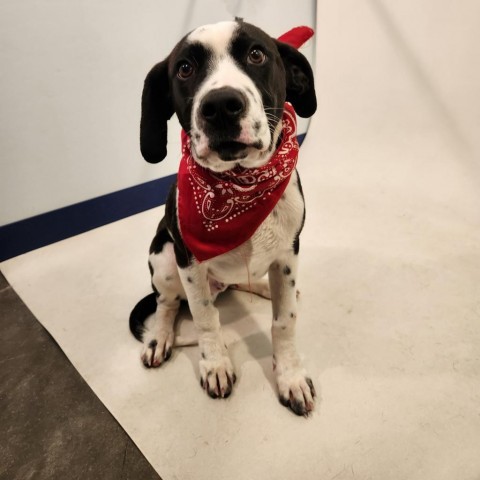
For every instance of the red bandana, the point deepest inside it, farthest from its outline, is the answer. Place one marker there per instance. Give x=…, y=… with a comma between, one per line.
x=220, y=211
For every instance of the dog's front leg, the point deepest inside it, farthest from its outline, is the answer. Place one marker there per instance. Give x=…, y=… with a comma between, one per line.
x=216, y=371
x=295, y=388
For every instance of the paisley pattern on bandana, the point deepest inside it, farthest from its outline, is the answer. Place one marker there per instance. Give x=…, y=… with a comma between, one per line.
x=220, y=211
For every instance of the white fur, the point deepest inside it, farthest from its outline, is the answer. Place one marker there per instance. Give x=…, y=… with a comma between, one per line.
x=215, y=35
x=252, y=260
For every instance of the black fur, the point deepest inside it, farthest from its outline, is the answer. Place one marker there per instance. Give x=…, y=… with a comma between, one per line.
x=296, y=240
x=157, y=109
x=161, y=238
x=145, y=307
x=300, y=84
x=182, y=254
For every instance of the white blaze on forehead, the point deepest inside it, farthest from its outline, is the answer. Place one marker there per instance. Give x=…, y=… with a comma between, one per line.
x=216, y=36
x=226, y=73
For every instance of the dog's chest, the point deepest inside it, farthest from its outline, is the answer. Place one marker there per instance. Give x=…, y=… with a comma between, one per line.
x=275, y=235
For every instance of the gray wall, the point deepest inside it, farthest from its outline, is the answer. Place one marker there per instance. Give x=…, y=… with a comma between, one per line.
x=71, y=79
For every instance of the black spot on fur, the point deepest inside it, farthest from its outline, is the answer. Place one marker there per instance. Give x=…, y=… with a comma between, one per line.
x=297, y=407
x=177, y=297
x=150, y=268
x=292, y=315
x=146, y=364
x=189, y=280
x=161, y=238
x=183, y=256
x=212, y=394
x=294, y=405
x=206, y=302
x=296, y=244
x=287, y=270
x=296, y=240
x=292, y=283
x=312, y=388
x=153, y=344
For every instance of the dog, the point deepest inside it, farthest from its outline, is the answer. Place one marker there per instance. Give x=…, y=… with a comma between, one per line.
x=232, y=88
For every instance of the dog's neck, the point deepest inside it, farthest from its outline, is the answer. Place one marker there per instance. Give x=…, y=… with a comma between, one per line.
x=220, y=211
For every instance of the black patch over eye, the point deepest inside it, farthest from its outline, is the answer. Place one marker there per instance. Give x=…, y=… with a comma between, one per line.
x=256, y=56
x=185, y=70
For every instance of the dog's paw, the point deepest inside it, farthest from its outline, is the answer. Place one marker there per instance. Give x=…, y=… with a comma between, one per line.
x=157, y=350
x=296, y=391
x=217, y=377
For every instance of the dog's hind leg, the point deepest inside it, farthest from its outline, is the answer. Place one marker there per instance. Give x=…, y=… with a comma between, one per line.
x=159, y=336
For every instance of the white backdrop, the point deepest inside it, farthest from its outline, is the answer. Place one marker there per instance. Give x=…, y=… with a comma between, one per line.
x=71, y=80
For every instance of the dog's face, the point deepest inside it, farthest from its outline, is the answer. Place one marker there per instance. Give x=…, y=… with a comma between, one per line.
x=229, y=89
x=227, y=83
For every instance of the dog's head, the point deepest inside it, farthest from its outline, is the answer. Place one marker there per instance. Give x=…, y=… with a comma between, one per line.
x=227, y=83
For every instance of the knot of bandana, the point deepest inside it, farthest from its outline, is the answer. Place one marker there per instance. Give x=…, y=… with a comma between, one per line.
x=220, y=211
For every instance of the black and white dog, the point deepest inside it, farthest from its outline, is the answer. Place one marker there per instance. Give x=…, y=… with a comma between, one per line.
x=228, y=84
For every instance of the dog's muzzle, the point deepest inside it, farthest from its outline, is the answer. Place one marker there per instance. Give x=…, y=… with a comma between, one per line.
x=220, y=113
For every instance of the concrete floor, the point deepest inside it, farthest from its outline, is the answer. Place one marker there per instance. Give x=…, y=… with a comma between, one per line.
x=52, y=425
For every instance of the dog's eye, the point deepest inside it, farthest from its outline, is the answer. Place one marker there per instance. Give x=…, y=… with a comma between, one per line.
x=256, y=56
x=185, y=70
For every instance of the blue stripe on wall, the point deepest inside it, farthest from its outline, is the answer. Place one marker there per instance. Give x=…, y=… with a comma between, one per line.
x=35, y=232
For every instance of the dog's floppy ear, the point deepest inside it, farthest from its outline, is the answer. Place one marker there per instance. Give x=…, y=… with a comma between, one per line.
x=157, y=108
x=299, y=77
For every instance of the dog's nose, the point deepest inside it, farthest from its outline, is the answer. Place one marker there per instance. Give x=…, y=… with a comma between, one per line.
x=223, y=105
